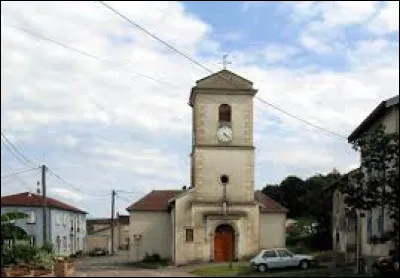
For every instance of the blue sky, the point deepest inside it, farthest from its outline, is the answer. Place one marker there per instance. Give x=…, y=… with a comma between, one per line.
x=101, y=126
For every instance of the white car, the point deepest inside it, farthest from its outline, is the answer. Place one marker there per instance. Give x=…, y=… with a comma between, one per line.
x=280, y=258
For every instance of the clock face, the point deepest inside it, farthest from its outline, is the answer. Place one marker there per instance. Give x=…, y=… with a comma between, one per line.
x=224, y=134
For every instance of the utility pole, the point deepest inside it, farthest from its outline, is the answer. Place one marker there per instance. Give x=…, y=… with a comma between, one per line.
x=44, y=204
x=112, y=220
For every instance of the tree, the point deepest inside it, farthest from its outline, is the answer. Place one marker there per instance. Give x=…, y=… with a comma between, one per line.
x=376, y=185
x=9, y=231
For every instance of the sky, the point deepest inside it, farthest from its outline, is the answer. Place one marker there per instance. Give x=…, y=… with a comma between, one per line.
x=104, y=105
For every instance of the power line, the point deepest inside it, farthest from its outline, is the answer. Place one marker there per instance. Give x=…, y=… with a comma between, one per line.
x=300, y=119
x=19, y=172
x=16, y=149
x=13, y=154
x=124, y=199
x=87, y=54
x=69, y=184
x=13, y=151
x=22, y=183
x=153, y=36
x=211, y=71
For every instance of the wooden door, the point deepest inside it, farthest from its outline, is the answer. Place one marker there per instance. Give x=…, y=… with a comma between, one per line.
x=224, y=243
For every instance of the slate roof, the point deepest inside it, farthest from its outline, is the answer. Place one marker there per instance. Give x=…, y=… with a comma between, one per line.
x=377, y=113
x=27, y=199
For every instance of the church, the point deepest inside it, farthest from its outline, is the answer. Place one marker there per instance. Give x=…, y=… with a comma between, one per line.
x=220, y=217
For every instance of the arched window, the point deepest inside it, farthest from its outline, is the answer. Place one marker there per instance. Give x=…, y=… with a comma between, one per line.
x=224, y=113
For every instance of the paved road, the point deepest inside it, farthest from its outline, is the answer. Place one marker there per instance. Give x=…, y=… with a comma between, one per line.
x=116, y=266
x=134, y=273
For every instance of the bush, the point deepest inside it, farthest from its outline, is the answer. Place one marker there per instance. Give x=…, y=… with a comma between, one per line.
x=24, y=253
x=47, y=247
x=7, y=256
x=155, y=257
x=44, y=260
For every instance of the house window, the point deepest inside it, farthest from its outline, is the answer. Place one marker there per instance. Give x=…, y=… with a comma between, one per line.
x=65, y=220
x=369, y=225
x=65, y=243
x=58, y=244
x=58, y=219
x=224, y=113
x=32, y=241
x=32, y=217
x=189, y=235
x=380, y=224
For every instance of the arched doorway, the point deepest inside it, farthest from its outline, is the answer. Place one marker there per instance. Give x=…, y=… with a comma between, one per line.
x=224, y=243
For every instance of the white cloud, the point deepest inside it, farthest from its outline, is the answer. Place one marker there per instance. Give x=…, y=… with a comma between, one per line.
x=98, y=108
x=149, y=162
x=66, y=194
x=387, y=21
x=325, y=21
x=277, y=53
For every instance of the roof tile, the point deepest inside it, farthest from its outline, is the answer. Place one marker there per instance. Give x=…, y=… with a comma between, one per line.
x=157, y=200
x=27, y=199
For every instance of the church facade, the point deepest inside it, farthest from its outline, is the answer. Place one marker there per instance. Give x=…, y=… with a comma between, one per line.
x=220, y=217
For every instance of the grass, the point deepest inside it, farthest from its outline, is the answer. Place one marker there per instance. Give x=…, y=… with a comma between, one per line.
x=245, y=270
x=222, y=270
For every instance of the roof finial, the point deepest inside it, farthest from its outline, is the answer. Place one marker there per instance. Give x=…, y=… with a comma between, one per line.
x=225, y=61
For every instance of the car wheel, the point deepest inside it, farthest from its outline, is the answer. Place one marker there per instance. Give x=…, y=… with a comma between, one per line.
x=262, y=268
x=304, y=264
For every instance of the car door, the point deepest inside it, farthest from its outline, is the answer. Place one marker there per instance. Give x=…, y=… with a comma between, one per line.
x=286, y=259
x=271, y=258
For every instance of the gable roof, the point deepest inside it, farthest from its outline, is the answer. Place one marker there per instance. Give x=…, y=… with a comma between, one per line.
x=374, y=116
x=27, y=199
x=231, y=82
x=267, y=204
x=157, y=200
x=224, y=71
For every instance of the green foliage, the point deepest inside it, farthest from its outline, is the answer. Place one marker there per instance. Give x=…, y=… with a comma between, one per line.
x=7, y=256
x=11, y=231
x=20, y=253
x=308, y=200
x=44, y=260
x=223, y=271
x=47, y=247
x=377, y=184
x=155, y=257
x=24, y=253
x=12, y=216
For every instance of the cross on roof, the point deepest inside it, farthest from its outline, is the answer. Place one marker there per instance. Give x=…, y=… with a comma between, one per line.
x=225, y=62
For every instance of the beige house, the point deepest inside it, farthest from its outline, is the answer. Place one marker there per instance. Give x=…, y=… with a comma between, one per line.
x=99, y=233
x=220, y=217
x=365, y=226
